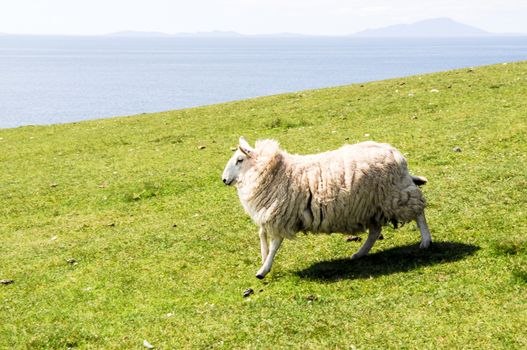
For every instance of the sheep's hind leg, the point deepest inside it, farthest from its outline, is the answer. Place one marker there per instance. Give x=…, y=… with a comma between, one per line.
x=266, y=267
x=426, y=238
x=373, y=234
x=263, y=244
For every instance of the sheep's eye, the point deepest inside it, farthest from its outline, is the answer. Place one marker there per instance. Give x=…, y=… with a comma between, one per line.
x=239, y=161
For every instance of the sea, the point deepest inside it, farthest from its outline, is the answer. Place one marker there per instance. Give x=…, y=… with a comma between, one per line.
x=60, y=79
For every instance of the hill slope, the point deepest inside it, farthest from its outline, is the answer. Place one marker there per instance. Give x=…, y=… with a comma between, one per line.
x=117, y=231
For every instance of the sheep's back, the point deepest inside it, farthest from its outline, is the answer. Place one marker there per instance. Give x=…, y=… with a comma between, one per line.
x=357, y=185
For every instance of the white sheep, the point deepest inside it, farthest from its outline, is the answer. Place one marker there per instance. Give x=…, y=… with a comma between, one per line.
x=348, y=190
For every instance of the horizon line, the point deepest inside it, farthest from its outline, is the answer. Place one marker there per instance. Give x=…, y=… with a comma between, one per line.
x=241, y=35
x=233, y=33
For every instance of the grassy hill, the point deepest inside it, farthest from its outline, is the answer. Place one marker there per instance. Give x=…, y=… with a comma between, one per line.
x=120, y=230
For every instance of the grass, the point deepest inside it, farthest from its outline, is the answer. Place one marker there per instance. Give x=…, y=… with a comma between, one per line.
x=163, y=251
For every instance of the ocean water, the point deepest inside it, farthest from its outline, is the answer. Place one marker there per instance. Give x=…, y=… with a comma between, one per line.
x=47, y=80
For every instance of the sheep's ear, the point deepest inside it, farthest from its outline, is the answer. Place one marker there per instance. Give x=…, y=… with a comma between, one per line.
x=245, y=147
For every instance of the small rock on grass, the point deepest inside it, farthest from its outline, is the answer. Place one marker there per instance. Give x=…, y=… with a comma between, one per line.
x=311, y=298
x=353, y=239
x=201, y=147
x=456, y=149
x=248, y=292
x=7, y=281
x=71, y=261
x=147, y=345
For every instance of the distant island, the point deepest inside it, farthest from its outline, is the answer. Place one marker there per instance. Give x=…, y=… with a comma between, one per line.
x=210, y=34
x=435, y=27
x=429, y=28
x=138, y=34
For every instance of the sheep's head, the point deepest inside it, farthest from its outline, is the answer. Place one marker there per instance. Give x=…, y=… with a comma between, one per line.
x=240, y=162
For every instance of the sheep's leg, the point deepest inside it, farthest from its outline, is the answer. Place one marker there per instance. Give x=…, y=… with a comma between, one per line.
x=373, y=234
x=273, y=248
x=263, y=244
x=426, y=238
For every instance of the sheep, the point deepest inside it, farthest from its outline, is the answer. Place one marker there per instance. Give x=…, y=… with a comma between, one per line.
x=348, y=190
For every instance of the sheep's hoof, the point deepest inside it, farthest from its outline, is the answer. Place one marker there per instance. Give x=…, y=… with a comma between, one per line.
x=424, y=245
x=260, y=277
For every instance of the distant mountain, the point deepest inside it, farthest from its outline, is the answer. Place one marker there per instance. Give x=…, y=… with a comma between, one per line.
x=284, y=35
x=212, y=34
x=436, y=27
x=138, y=34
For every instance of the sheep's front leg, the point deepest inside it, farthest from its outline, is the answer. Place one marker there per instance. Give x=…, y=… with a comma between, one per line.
x=373, y=234
x=273, y=248
x=426, y=237
x=263, y=244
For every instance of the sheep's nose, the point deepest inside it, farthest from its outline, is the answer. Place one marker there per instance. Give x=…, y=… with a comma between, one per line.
x=225, y=181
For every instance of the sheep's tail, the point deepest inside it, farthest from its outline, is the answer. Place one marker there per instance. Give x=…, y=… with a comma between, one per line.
x=419, y=180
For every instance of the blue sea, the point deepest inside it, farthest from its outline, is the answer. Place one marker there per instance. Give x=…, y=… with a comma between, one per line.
x=47, y=80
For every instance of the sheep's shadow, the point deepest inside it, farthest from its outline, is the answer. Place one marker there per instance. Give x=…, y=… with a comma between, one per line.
x=393, y=260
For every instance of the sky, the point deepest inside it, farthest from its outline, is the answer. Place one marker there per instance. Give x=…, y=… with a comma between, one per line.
x=319, y=17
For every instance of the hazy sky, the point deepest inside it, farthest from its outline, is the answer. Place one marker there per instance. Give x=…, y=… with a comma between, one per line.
x=250, y=16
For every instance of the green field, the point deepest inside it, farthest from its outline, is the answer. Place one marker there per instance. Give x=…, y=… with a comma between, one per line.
x=162, y=251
